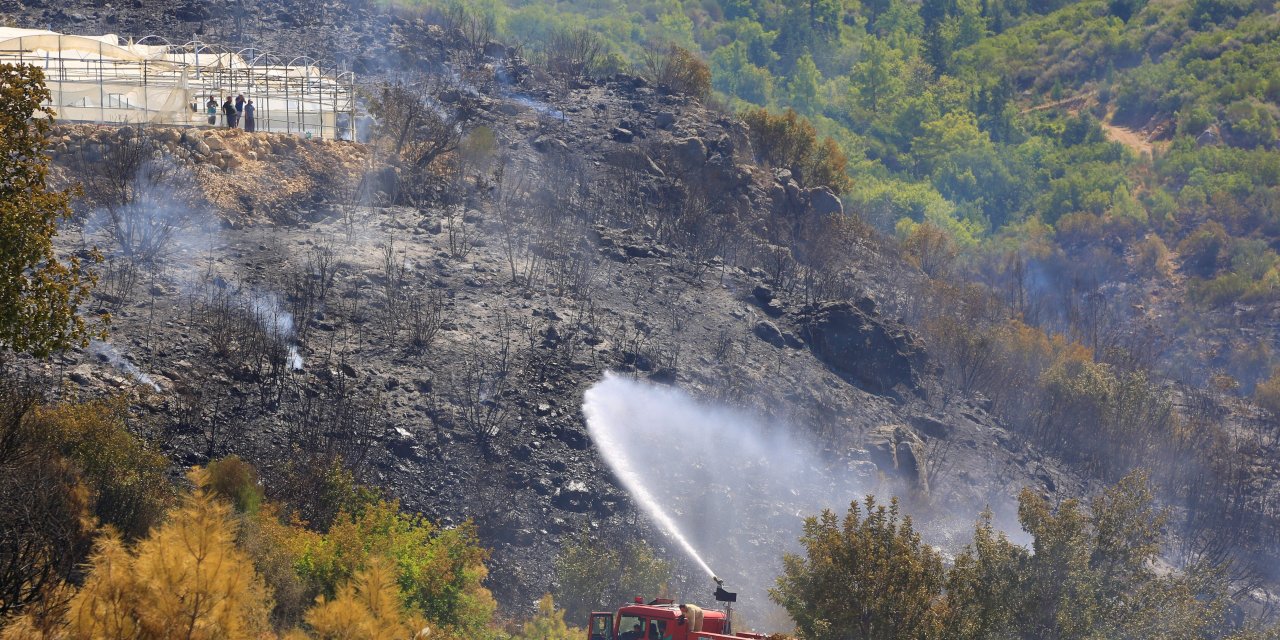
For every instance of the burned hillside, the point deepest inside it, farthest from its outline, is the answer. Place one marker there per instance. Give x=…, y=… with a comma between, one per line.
x=434, y=327
x=427, y=307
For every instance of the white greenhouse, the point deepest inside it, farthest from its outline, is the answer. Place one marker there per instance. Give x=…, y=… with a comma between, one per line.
x=107, y=79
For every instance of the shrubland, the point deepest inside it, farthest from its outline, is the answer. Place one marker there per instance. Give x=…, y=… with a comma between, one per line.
x=1090, y=572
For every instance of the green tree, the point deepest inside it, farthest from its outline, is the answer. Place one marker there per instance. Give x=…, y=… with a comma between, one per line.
x=1092, y=572
x=548, y=624
x=984, y=585
x=808, y=27
x=440, y=571
x=950, y=25
x=598, y=574
x=900, y=25
x=39, y=295
x=1203, y=249
x=733, y=73
x=803, y=85
x=868, y=577
x=878, y=76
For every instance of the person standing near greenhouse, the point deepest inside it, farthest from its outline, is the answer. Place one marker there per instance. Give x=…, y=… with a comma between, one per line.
x=249, y=111
x=211, y=108
x=229, y=113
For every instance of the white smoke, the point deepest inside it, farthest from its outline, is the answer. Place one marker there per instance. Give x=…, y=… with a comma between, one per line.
x=112, y=356
x=278, y=323
x=295, y=359
x=538, y=106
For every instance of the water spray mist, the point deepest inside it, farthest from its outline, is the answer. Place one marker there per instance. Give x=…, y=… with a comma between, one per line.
x=600, y=407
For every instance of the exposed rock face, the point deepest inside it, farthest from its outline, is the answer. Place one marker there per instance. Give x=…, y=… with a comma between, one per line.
x=897, y=451
x=633, y=159
x=823, y=202
x=868, y=350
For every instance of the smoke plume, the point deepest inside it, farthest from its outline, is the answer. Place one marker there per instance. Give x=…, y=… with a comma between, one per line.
x=109, y=354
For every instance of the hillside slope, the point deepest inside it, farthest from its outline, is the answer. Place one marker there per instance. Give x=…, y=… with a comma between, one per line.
x=610, y=298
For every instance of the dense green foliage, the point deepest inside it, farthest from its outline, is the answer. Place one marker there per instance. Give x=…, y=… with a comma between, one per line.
x=870, y=576
x=1089, y=574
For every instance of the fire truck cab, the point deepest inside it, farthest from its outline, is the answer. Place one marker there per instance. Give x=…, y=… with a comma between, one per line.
x=660, y=619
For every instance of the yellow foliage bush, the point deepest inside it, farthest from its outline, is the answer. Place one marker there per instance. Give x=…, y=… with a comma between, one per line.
x=548, y=624
x=68, y=469
x=186, y=579
x=1267, y=393
x=125, y=476
x=680, y=70
x=787, y=140
x=369, y=607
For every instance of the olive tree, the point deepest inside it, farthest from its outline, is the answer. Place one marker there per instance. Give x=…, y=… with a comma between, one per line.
x=39, y=294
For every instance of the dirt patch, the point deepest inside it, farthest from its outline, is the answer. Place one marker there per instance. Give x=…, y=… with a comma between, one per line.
x=242, y=175
x=1128, y=138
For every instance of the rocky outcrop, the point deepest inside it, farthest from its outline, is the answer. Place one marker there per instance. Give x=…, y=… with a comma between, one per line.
x=823, y=202
x=897, y=451
x=281, y=176
x=866, y=349
x=709, y=163
x=633, y=159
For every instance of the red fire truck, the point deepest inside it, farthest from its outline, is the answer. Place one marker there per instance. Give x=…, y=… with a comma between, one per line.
x=663, y=619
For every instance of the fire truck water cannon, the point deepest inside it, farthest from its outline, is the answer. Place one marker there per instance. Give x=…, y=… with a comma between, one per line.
x=663, y=619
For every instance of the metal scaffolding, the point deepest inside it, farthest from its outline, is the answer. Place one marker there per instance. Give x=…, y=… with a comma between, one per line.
x=108, y=79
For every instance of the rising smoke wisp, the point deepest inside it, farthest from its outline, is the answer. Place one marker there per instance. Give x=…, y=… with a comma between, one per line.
x=108, y=353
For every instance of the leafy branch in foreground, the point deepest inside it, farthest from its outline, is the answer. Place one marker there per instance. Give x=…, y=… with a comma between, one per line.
x=39, y=295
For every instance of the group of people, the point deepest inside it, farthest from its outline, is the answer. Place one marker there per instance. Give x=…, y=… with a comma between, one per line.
x=234, y=114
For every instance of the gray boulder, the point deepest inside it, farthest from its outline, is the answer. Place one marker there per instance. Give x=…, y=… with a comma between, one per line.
x=689, y=154
x=823, y=202
x=769, y=332
x=633, y=159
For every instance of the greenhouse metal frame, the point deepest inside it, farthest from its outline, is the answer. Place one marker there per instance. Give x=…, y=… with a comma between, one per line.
x=107, y=79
